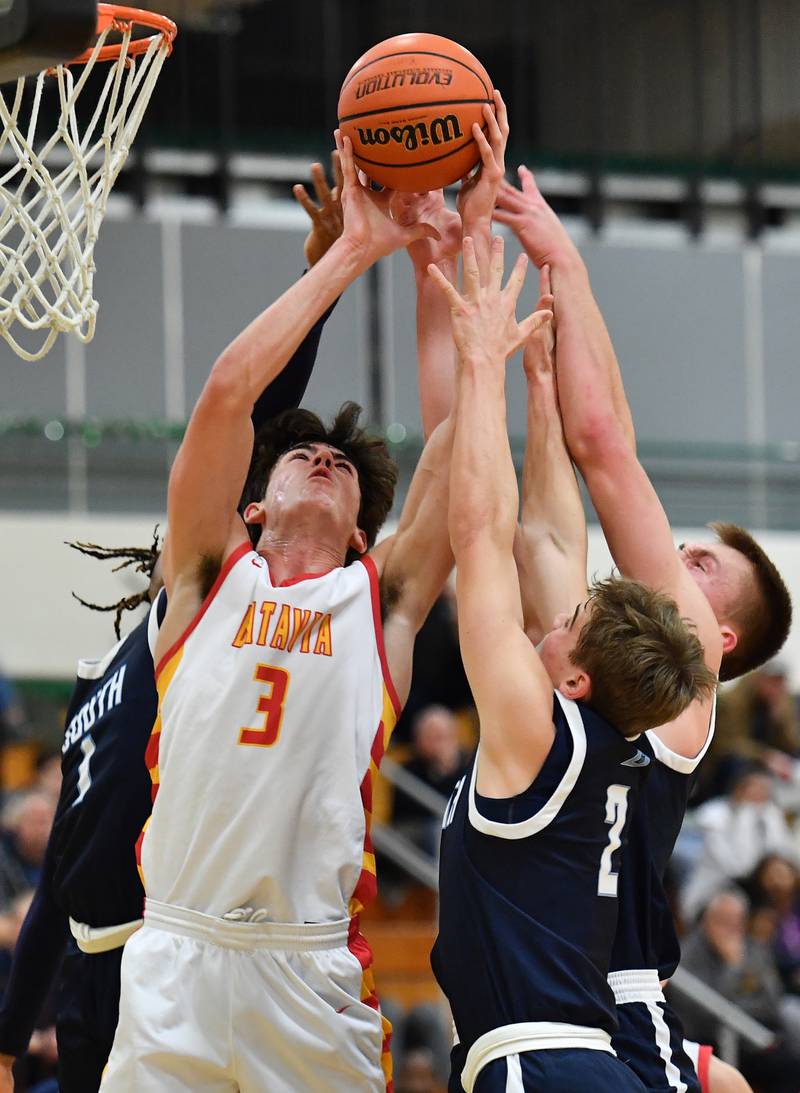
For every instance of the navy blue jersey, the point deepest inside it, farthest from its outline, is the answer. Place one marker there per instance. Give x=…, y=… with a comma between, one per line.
x=528, y=885
x=89, y=871
x=646, y=936
x=105, y=789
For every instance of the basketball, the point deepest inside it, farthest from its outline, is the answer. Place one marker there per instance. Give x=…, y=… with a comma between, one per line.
x=408, y=106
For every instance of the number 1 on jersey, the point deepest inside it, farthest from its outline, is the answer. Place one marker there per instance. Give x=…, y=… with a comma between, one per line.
x=616, y=811
x=85, y=769
x=270, y=704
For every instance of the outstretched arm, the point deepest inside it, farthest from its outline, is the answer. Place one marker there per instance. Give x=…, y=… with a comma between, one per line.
x=512, y=691
x=435, y=349
x=475, y=203
x=582, y=332
x=289, y=386
x=550, y=547
x=478, y=193
x=211, y=465
x=599, y=436
x=415, y=562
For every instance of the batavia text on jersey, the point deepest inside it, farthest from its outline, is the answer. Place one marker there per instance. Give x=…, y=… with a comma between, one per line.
x=281, y=626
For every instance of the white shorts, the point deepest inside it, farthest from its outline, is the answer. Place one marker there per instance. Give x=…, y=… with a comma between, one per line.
x=214, y=1006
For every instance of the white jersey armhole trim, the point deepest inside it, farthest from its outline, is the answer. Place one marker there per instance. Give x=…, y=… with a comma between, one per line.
x=95, y=669
x=153, y=625
x=374, y=585
x=681, y=763
x=548, y=812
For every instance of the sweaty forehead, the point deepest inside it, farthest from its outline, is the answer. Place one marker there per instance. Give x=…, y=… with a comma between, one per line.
x=315, y=445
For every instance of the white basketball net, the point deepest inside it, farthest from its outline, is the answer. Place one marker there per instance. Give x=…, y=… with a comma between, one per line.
x=54, y=198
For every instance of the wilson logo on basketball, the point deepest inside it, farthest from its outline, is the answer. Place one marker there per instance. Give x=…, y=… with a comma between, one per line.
x=412, y=77
x=438, y=131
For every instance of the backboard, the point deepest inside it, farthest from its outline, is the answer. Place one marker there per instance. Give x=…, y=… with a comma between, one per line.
x=36, y=34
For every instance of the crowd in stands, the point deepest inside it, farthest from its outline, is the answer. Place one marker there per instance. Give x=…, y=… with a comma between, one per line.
x=735, y=872
x=26, y=814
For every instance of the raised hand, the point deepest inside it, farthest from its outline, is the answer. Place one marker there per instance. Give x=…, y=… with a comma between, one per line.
x=483, y=316
x=538, y=358
x=326, y=217
x=430, y=207
x=476, y=198
x=368, y=225
x=532, y=220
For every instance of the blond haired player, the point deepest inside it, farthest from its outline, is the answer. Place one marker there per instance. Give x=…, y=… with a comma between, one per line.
x=730, y=589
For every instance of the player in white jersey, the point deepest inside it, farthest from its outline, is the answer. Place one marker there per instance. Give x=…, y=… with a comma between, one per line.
x=280, y=672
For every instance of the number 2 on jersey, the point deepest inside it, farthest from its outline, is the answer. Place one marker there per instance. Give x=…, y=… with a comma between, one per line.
x=616, y=811
x=270, y=704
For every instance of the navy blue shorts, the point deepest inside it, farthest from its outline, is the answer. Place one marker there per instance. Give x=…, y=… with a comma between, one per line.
x=88, y=1010
x=556, y=1070
x=650, y=1042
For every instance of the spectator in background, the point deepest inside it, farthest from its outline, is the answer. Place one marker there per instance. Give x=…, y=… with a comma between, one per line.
x=720, y=953
x=27, y=819
x=774, y=885
x=48, y=775
x=416, y=1073
x=420, y=1047
x=757, y=718
x=36, y=1071
x=737, y=832
x=12, y=715
x=438, y=760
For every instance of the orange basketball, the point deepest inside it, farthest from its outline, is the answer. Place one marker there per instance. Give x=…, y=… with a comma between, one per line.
x=408, y=106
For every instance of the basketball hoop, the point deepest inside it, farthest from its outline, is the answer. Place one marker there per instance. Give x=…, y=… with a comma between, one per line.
x=54, y=195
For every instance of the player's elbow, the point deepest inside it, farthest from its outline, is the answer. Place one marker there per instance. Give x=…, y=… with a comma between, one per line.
x=597, y=440
x=225, y=392
x=480, y=528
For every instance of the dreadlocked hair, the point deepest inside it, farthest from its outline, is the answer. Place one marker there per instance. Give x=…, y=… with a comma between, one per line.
x=377, y=471
x=143, y=560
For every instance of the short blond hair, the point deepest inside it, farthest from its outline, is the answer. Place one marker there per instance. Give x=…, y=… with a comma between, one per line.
x=645, y=664
x=761, y=612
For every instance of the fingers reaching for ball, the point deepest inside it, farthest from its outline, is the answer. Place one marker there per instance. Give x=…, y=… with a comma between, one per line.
x=344, y=146
x=483, y=313
x=327, y=220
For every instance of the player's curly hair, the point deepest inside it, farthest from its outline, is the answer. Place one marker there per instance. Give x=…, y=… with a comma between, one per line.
x=377, y=471
x=645, y=664
x=143, y=559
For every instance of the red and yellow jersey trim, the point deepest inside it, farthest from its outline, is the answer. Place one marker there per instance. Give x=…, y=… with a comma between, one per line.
x=233, y=558
x=704, y=1053
x=367, y=885
x=359, y=947
x=375, y=594
x=168, y=668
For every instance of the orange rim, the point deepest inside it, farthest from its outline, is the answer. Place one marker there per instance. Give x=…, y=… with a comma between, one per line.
x=121, y=18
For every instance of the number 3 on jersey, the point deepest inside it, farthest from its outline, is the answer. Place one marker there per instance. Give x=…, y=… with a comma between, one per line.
x=616, y=811
x=270, y=704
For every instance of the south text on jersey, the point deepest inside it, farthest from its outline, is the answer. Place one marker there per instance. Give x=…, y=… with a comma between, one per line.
x=105, y=698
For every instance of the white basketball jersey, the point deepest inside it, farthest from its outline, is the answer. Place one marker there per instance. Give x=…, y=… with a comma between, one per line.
x=275, y=707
